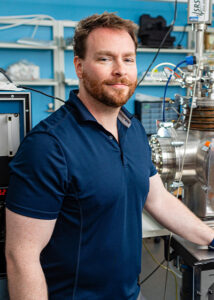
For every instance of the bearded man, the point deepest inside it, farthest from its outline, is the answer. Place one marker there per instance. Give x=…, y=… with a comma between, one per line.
x=84, y=175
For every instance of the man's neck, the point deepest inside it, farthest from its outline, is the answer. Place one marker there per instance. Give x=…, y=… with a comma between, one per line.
x=105, y=115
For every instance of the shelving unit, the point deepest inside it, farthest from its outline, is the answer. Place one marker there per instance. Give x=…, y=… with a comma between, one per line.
x=59, y=80
x=23, y=46
x=176, y=51
x=40, y=82
x=150, y=50
x=52, y=46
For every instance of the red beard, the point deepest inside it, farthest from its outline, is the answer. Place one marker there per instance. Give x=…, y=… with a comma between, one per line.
x=110, y=97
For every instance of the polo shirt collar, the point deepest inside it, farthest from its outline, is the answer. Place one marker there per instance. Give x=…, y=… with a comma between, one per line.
x=84, y=115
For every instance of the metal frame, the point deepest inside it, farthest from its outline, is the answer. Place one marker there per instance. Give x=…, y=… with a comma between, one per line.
x=25, y=97
x=201, y=260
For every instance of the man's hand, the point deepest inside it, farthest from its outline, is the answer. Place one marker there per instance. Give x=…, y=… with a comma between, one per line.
x=174, y=215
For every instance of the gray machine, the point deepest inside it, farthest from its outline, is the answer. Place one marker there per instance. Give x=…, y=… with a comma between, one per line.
x=183, y=153
x=191, y=159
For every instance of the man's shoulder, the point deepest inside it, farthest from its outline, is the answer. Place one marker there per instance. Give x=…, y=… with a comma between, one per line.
x=49, y=133
x=60, y=121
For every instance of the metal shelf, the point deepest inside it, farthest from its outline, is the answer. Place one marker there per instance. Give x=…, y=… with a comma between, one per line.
x=68, y=48
x=158, y=83
x=75, y=82
x=40, y=82
x=72, y=82
x=148, y=50
x=164, y=50
x=23, y=46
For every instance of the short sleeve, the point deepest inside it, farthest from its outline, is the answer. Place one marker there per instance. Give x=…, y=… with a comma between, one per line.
x=153, y=170
x=38, y=177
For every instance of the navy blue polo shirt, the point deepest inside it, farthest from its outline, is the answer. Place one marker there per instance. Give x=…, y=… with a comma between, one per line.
x=71, y=169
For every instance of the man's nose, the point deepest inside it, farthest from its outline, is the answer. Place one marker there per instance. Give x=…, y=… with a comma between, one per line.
x=119, y=68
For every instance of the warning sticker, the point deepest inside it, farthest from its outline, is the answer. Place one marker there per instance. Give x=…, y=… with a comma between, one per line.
x=206, y=146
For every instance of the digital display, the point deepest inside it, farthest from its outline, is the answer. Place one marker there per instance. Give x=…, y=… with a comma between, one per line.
x=3, y=192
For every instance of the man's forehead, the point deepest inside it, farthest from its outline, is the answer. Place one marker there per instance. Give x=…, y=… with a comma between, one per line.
x=106, y=31
x=110, y=53
x=104, y=36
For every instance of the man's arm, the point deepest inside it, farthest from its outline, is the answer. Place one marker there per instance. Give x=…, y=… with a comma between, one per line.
x=25, y=239
x=174, y=215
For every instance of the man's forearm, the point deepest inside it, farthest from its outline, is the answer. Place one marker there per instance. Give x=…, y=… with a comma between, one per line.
x=175, y=216
x=26, y=281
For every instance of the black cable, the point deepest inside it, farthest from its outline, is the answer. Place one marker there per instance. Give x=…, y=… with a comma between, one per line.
x=166, y=279
x=40, y=92
x=161, y=44
x=4, y=73
x=182, y=36
x=28, y=88
x=148, y=276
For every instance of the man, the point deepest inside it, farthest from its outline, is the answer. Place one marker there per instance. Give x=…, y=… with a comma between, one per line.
x=83, y=176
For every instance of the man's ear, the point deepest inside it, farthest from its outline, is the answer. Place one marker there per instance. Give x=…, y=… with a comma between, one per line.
x=78, y=66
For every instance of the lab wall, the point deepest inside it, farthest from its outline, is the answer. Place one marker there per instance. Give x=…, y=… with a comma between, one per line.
x=75, y=10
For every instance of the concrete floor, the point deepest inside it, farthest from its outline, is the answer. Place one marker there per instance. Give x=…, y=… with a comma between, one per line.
x=153, y=289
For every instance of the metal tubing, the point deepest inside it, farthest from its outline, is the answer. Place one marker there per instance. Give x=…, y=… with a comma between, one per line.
x=200, y=29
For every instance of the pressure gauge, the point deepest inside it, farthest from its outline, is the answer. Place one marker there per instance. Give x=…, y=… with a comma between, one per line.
x=200, y=11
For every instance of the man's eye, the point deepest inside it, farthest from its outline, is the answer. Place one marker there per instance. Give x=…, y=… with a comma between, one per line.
x=129, y=59
x=104, y=59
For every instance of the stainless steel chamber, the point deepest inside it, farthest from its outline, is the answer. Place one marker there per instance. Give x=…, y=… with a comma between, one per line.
x=168, y=149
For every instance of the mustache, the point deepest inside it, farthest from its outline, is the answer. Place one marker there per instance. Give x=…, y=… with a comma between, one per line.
x=118, y=81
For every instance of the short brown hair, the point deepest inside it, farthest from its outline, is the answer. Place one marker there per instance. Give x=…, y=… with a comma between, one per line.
x=105, y=20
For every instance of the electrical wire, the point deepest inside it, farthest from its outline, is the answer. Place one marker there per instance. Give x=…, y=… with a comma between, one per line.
x=174, y=269
x=18, y=24
x=175, y=110
x=161, y=44
x=163, y=267
x=5, y=74
x=28, y=88
x=184, y=155
x=182, y=36
x=166, y=86
x=171, y=70
x=148, y=276
x=189, y=122
x=36, y=28
x=24, y=16
x=40, y=92
x=181, y=169
x=23, y=22
x=165, y=64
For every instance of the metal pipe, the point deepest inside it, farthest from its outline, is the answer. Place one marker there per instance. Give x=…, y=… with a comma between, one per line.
x=199, y=47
